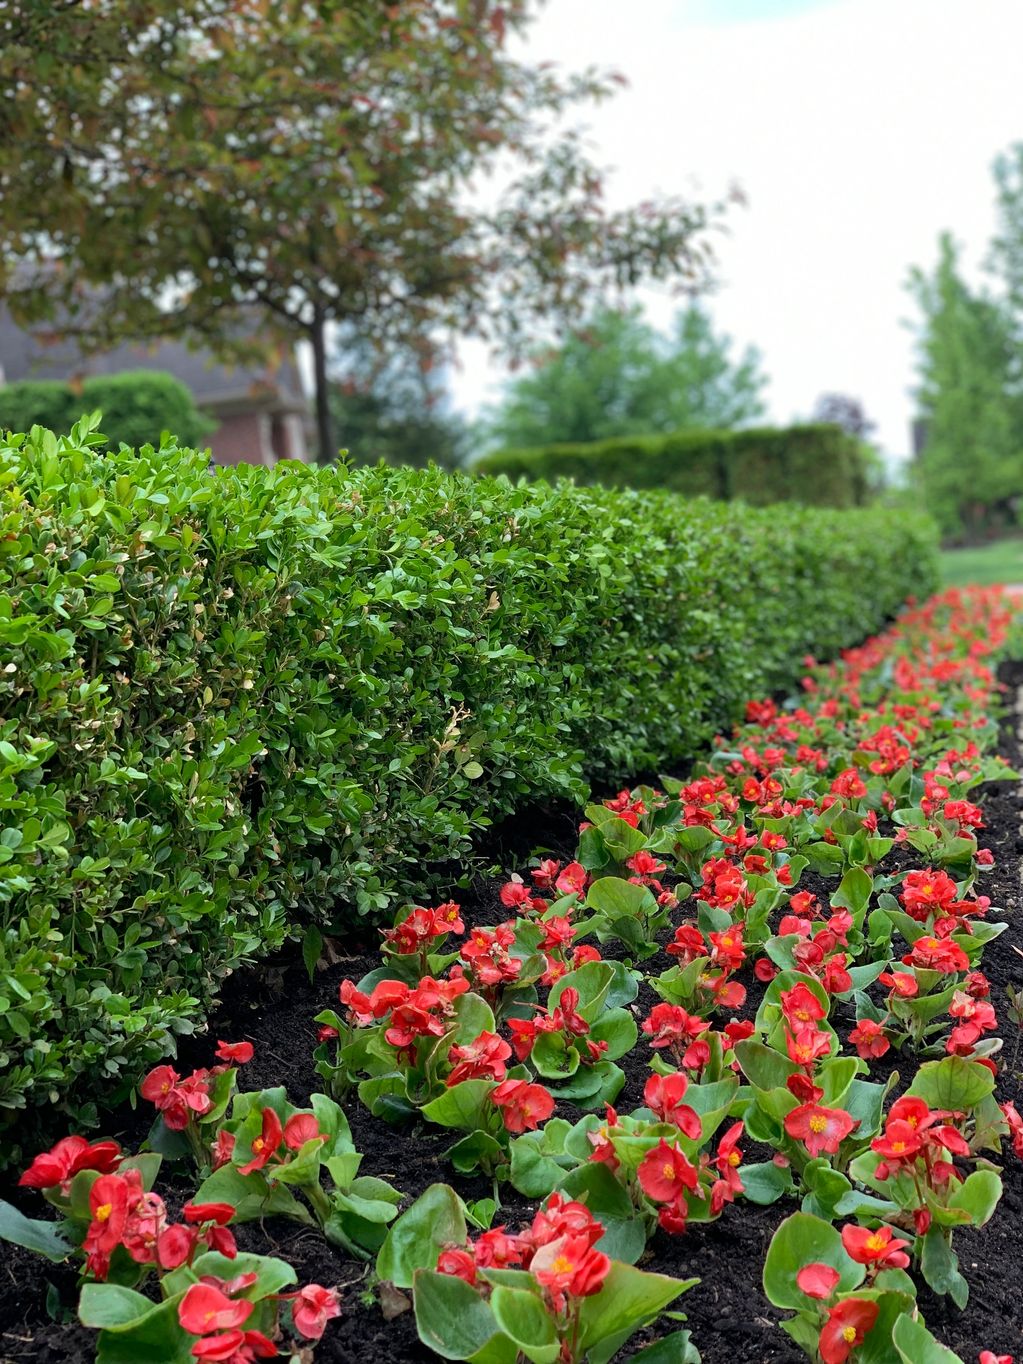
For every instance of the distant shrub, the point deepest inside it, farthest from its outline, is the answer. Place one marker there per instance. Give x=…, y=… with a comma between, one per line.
x=819, y=465
x=241, y=700
x=137, y=407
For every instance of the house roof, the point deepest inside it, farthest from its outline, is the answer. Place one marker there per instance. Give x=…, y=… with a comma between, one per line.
x=26, y=355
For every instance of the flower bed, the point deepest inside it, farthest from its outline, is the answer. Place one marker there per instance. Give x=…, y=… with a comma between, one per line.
x=238, y=701
x=737, y=1057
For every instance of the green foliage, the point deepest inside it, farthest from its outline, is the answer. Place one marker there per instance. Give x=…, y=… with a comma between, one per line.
x=971, y=465
x=371, y=426
x=617, y=376
x=136, y=407
x=336, y=162
x=237, y=701
x=389, y=407
x=819, y=465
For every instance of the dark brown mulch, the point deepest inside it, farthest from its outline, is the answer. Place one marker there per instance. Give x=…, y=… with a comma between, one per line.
x=731, y=1320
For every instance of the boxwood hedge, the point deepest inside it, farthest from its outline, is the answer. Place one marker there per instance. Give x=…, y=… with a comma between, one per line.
x=231, y=702
x=817, y=464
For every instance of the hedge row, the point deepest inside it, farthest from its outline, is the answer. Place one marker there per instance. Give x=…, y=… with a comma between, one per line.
x=136, y=405
x=238, y=700
x=819, y=465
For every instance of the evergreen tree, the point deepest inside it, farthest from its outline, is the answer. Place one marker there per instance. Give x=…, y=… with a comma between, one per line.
x=971, y=465
x=618, y=376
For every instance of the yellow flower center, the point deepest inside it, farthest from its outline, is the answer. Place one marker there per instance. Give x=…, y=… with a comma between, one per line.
x=103, y=1211
x=668, y=1170
x=817, y=1123
x=563, y=1265
x=734, y=1158
x=876, y=1242
x=849, y=1334
x=258, y=1144
x=898, y=1145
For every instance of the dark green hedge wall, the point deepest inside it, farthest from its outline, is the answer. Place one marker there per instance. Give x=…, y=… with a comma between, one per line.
x=819, y=465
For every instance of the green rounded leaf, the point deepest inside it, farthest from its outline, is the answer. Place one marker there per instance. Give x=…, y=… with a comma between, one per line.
x=629, y=1300
x=32, y=1233
x=803, y=1239
x=452, y=1318
x=522, y=1317
x=916, y=1345
x=953, y=1083
x=435, y=1219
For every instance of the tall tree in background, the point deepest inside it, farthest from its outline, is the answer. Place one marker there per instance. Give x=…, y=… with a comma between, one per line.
x=618, y=376
x=182, y=167
x=386, y=407
x=971, y=466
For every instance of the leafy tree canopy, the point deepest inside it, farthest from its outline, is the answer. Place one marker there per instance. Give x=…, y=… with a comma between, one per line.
x=841, y=410
x=389, y=408
x=169, y=166
x=618, y=377
x=971, y=466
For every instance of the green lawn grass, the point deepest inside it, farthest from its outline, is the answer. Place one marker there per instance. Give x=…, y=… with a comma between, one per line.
x=999, y=562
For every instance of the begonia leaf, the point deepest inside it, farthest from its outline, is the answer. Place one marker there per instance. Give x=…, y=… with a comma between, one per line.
x=523, y=1318
x=435, y=1219
x=954, y=1083
x=803, y=1239
x=452, y=1319
x=629, y=1299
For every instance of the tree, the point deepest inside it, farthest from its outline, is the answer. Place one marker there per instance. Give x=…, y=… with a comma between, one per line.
x=388, y=408
x=971, y=465
x=841, y=410
x=838, y=409
x=618, y=376
x=174, y=168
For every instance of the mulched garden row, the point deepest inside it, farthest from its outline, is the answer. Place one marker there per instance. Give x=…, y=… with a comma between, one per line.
x=731, y=1320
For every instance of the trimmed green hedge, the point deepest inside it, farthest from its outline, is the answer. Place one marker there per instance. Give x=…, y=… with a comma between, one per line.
x=238, y=700
x=136, y=405
x=819, y=465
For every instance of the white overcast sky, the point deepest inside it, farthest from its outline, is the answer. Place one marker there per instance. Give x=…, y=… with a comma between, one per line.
x=858, y=129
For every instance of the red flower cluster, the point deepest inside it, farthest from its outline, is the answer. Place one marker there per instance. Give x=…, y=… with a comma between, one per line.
x=489, y=962
x=481, y=1059
x=420, y=929
x=557, y=1249
x=413, y=1013
x=181, y=1100
x=123, y=1215
x=55, y=1169
x=666, y=1175
x=213, y=1310
x=565, y=1019
x=523, y=1106
x=918, y=1139
x=292, y=1135
x=209, y=1311
x=724, y=885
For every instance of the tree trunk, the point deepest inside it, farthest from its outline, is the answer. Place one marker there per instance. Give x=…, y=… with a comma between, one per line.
x=325, y=438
